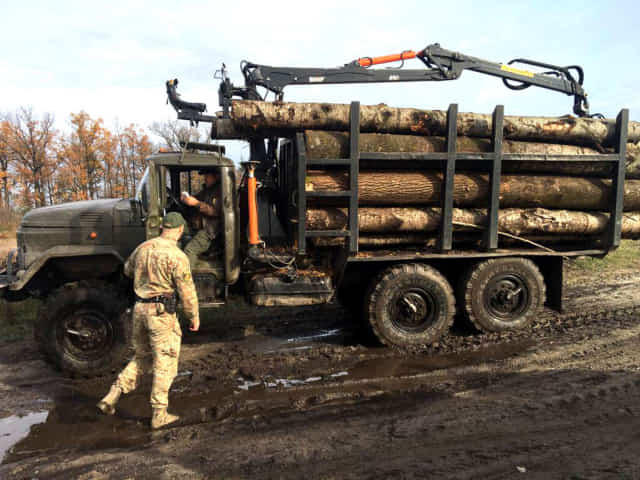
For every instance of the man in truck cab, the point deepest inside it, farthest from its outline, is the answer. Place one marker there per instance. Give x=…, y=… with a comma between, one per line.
x=207, y=218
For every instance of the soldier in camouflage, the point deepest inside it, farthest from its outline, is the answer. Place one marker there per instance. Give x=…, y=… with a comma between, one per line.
x=159, y=270
x=207, y=220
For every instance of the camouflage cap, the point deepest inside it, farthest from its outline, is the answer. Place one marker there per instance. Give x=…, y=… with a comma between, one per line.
x=173, y=220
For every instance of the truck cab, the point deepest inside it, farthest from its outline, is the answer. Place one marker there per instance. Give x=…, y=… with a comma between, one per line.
x=166, y=177
x=72, y=255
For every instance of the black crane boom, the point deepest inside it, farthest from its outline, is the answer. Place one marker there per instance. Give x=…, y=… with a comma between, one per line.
x=441, y=65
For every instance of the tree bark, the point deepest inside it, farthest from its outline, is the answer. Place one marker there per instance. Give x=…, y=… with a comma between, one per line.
x=430, y=240
x=250, y=115
x=535, y=221
x=321, y=144
x=472, y=189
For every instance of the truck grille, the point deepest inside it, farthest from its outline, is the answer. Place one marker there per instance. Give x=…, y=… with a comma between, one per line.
x=91, y=219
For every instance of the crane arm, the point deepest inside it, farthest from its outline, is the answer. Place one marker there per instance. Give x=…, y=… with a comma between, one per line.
x=441, y=65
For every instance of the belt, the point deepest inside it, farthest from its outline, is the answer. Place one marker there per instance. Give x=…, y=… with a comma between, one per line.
x=157, y=299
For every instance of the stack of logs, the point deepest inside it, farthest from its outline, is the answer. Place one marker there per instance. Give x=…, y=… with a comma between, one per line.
x=541, y=201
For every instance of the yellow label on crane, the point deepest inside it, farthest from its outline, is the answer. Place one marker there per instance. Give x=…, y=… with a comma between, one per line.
x=517, y=71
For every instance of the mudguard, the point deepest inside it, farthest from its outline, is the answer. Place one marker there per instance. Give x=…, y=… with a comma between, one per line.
x=61, y=251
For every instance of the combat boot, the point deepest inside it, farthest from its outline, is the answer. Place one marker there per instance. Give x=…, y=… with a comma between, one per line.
x=162, y=418
x=108, y=404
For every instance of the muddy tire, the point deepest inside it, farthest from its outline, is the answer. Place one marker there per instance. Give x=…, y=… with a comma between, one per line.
x=83, y=329
x=410, y=305
x=502, y=294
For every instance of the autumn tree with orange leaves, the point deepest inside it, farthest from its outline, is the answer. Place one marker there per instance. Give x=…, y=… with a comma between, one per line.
x=132, y=148
x=40, y=166
x=30, y=142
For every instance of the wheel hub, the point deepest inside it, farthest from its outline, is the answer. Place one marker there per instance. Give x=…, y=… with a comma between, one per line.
x=87, y=334
x=506, y=297
x=414, y=310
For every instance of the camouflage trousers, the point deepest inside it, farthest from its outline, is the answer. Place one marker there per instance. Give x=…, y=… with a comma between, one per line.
x=156, y=342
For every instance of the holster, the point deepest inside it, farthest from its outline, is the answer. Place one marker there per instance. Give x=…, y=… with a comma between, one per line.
x=170, y=302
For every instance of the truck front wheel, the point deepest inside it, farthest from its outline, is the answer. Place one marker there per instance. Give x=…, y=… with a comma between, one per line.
x=410, y=304
x=82, y=329
x=502, y=294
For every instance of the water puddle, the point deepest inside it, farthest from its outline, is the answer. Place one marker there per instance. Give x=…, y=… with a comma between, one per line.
x=288, y=383
x=245, y=384
x=408, y=366
x=334, y=332
x=75, y=423
x=15, y=428
x=303, y=340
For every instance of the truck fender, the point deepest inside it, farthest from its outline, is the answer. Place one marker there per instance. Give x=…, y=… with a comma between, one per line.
x=62, y=251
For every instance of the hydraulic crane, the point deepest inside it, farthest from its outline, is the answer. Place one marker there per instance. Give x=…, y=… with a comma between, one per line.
x=441, y=64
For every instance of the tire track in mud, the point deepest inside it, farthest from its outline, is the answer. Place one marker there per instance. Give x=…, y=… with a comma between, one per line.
x=621, y=324
x=616, y=305
x=552, y=384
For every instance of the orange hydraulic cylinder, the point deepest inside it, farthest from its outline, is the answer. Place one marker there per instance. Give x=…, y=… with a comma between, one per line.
x=396, y=57
x=254, y=237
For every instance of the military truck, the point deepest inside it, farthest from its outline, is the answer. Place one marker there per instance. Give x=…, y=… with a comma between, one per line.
x=71, y=255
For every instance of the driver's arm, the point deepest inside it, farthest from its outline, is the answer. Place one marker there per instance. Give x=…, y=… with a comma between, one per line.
x=198, y=202
x=206, y=209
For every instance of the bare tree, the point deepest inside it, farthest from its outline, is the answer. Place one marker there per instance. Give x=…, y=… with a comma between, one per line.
x=5, y=162
x=173, y=133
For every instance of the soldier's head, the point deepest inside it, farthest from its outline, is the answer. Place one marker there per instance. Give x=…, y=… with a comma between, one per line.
x=173, y=226
x=211, y=177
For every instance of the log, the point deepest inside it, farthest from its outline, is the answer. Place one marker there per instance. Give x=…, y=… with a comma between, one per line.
x=253, y=116
x=410, y=187
x=321, y=144
x=535, y=221
x=430, y=240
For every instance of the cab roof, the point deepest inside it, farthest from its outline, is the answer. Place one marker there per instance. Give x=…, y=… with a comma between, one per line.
x=191, y=159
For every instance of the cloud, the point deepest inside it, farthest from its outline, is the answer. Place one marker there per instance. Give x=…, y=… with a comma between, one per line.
x=112, y=59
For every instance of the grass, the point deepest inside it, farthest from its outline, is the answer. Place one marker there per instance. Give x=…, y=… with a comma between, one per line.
x=627, y=256
x=17, y=319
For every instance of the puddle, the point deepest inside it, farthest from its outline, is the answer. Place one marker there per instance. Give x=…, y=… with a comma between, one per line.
x=334, y=332
x=15, y=428
x=288, y=383
x=402, y=366
x=304, y=340
x=75, y=423
x=246, y=384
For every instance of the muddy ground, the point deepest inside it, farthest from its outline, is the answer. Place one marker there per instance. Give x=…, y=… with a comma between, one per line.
x=307, y=396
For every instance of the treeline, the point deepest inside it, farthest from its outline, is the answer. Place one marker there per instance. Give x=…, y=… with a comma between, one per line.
x=42, y=165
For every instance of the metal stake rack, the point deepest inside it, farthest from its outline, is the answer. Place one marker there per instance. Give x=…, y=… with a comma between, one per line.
x=447, y=162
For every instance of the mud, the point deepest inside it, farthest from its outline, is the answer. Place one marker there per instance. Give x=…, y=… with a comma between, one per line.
x=291, y=396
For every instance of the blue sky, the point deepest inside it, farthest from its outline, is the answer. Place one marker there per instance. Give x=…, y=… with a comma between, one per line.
x=111, y=59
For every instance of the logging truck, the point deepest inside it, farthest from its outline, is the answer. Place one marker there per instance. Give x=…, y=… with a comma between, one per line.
x=308, y=226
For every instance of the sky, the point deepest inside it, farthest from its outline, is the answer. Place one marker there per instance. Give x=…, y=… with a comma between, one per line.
x=111, y=59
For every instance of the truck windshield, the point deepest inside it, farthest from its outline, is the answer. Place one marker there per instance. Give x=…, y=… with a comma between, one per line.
x=142, y=192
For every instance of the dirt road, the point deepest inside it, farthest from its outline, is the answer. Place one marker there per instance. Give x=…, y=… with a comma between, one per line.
x=303, y=397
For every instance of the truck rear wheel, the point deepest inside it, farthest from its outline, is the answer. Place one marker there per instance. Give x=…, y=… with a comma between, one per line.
x=411, y=304
x=502, y=294
x=82, y=329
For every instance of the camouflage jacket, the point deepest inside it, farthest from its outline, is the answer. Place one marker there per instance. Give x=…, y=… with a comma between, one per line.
x=159, y=267
x=210, y=208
